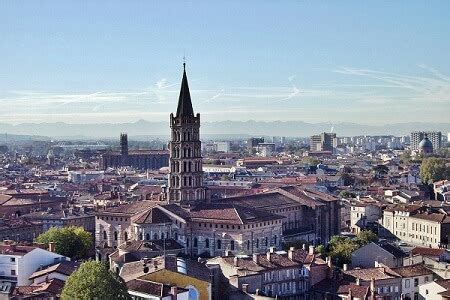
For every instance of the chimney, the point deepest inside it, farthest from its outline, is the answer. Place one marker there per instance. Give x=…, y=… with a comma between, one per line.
x=358, y=282
x=311, y=250
x=345, y=267
x=236, y=261
x=268, y=255
x=376, y=264
x=227, y=253
x=372, y=285
x=51, y=246
x=304, y=247
x=329, y=263
x=272, y=249
x=291, y=253
x=245, y=287
x=174, y=292
x=256, y=258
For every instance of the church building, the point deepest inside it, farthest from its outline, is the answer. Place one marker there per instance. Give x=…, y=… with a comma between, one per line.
x=241, y=225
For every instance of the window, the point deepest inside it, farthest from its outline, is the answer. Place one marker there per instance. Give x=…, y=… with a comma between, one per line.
x=13, y=272
x=257, y=243
x=248, y=245
x=207, y=243
x=195, y=242
x=407, y=283
x=416, y=282
x=12, y=259
x=232, y=245
x=105, y=236
x=219, y=244
x=126, y=236
x=115, y=235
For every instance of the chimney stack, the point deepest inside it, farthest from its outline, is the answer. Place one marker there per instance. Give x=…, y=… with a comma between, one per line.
x=227, y=253
x=291, y=253
x=311, y=250
x=304, y=247
x=272, y=249
x=236, y=261
x=268, y=255
x=345, y=267
x=256, y=258
x=174, y=292
x=51, y=246
x=329, y=263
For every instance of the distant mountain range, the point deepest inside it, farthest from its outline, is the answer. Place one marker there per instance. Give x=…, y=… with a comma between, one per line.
x=226, y=129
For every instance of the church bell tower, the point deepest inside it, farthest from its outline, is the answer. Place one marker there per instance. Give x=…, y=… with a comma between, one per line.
x=186, y=174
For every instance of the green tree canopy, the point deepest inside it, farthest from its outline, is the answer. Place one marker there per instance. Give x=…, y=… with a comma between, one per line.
x=71, y=241
x=434, y=169
x=93, y=280
x=366, y=236
x=341, y=249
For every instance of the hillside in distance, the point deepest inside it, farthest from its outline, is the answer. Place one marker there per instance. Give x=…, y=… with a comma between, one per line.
x=223, y=128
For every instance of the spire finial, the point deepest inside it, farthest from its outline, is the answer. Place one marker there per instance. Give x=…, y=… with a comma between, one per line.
x=184, y=63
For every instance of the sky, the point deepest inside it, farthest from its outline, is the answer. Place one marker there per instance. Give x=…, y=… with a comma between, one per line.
x=368, y=62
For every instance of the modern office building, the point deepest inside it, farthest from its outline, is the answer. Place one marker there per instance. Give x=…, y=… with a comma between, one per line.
x=323, y=142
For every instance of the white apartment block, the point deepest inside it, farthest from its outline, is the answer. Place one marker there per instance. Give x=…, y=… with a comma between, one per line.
x=17, y=262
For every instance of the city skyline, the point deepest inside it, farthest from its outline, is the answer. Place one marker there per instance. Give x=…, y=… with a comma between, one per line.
x=104, y=62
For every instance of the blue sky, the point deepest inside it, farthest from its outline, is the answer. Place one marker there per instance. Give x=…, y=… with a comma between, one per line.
x=371, y=62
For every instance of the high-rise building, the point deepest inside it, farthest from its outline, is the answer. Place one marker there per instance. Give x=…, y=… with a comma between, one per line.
x=253, y=142
x=186, y=175
x=435, y=138
x=323, y=142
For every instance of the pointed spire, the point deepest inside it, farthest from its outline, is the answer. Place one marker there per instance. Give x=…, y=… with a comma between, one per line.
x=184, y=108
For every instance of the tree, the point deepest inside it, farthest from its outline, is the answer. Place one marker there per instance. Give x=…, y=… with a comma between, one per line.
x=364, y=237
x=347, y=194
x=93, y=280
x=71, y=241
x=321, y=249
x=434, y=169
x=341, y=249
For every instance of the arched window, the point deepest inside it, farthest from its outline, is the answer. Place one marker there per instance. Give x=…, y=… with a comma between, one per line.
x=275, y=240
x=147, y=236
x=257, y=243
x=162, y=235
x=267, y=241
x=219, y=244
x=195, y=242
x=193, y=293
x=207, y=243
x=248, y=245
x=175, y=236
x=115, y=235
x=105, y=236
x=140, y=236
x=187, y=243
x=232, y=245
x=155, y=236
x=126, y=236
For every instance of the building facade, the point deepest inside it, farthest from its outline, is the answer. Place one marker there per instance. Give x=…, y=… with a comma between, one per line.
x=434, y=136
